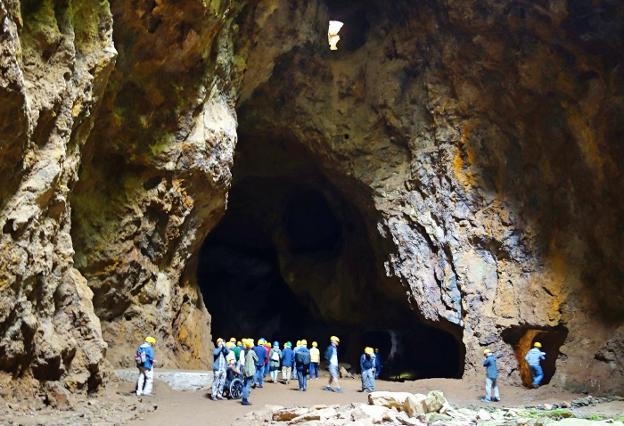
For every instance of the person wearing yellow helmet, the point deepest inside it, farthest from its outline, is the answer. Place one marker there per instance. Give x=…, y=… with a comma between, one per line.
x=315, y=359
x=534, y=358
x=367, y=368
x=302, y=364
x=331, y=355
x=261, y=355
x=219, y=368
x=144, y=358
x=249, y=369
x=491, y=376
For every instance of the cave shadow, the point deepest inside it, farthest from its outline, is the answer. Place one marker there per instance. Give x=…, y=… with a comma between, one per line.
x=292, y=258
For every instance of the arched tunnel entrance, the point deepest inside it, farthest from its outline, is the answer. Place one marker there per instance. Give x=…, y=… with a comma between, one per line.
x=292, y=258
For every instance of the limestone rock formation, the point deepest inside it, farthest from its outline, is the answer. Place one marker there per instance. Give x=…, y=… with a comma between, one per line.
x=478, y=141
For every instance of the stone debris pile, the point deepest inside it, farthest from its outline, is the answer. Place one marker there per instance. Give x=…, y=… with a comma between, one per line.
x=404, y=408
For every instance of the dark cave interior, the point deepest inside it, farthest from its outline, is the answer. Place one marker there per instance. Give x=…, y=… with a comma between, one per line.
x=292, y=258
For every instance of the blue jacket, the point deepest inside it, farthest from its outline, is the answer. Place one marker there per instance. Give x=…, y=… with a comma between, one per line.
x=534, y=356
x=329, y=352
x=377, y=361
x=288, y=357
x=261, y=353
x=490, y=367
x=149, y=355
x=366, y=362
x=303, y=350
x=219, y=355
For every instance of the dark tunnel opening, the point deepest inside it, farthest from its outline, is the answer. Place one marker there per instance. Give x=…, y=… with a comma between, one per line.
x=292, y=259
x=522, y=338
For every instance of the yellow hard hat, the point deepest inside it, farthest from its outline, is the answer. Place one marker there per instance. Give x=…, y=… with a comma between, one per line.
x=314, y=344
x=239, y=343
x=150, y=340
x=233, y=339
x=248, y=343
x=298, y=342
x=537, y=344
x=486, y=351
x=219, y=340
x=368, y=351
x=304, y=342
x=334, y=339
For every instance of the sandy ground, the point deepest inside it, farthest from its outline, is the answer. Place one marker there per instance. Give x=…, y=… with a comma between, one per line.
x=176, y=407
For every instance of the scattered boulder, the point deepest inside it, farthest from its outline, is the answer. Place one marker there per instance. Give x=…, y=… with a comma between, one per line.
x=415, y=405
x=288, y=414
x=345, y=374
x=435, y=401
x=388, y=399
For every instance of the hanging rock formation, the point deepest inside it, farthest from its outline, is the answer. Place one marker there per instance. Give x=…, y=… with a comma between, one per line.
x=479, y=140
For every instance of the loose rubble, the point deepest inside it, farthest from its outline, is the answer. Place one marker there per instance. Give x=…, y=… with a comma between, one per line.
x=404, y=408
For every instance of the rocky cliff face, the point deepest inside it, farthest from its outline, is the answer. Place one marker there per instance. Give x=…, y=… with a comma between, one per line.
x=478, y=141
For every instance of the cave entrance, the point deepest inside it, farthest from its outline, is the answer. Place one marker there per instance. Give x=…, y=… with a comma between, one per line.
x=522, y=339
x=292, y=258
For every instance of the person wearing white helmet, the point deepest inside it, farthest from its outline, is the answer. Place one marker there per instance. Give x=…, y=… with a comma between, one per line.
x=219, y=369
x=533, y=358
x=144, y=358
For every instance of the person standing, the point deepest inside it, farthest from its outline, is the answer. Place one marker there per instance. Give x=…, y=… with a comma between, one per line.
x=275, y=358
x=267, y=348
x=288, y=361
x=378, y=365
x=302, y=364
x=219, y=369
x=534, y=358
x=491, y=376
x=249, y=369
x=261, y=355
x=144, y=358
x=331, y=355
x=367, y=367
x=315, y=359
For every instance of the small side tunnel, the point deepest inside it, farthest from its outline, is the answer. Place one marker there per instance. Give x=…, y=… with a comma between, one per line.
x=522, y=338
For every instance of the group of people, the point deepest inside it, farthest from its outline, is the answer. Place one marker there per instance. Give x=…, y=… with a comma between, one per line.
x=254, y=361
x=534, y=357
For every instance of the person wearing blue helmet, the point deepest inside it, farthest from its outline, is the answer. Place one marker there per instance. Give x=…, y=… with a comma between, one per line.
x=275, y=359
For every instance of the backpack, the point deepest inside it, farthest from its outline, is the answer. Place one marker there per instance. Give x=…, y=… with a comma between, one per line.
x=275, y=356
x=303, y=358
x=140, y=357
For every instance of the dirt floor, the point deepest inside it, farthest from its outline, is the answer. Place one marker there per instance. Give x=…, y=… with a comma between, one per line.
x=118, y=405
x=196, y=407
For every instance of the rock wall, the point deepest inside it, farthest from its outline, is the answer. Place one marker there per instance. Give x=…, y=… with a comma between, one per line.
x=479, y=140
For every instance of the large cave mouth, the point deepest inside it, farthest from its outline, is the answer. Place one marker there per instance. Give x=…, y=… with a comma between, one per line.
x=293, y=258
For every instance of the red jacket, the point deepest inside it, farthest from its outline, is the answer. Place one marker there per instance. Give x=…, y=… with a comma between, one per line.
x=266, y=360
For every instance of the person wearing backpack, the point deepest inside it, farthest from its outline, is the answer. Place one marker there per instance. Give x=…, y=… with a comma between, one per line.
x=249, y=369
x=219, y=368
x=288, y=361
x=302, y=364
x=367, y=367
x=144, y=358
x=331, y=355
x=275, y=357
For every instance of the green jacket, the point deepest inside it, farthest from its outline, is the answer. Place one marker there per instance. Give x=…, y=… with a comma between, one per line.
x=249, y=369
